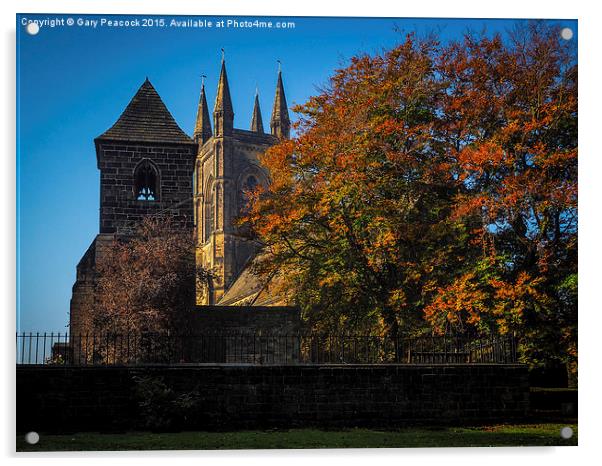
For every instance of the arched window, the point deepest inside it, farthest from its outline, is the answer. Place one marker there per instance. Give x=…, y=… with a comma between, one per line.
x=146, y=182
x=209, y=210
x=249, y=184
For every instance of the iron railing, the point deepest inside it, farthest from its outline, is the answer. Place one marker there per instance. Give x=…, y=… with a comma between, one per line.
x=259, y=348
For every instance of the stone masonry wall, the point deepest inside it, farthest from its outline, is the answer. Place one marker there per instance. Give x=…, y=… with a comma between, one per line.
x=222, y=167
x=270, y=319
x=55, y=399
x=245, y=333
x=120, y=211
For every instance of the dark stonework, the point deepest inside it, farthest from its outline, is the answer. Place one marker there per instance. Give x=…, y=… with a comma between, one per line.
x=53, y=399
x=120, y=211
x=144, y=135
x=283, y=320
x=245, y=333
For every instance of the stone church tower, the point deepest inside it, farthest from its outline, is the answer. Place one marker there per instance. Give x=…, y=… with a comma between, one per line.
x=149, y=166
x=146, y=167
x=226, y=167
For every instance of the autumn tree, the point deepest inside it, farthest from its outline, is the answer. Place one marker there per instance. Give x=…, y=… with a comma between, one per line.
x=146, y=282
x=434, y=187
x=510, y=114
x=357, y=211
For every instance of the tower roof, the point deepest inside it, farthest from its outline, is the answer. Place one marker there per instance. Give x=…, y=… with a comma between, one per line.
x=257, y=121
x=202, y=129
x=280, y=109
x=223, y=101
x=146, y=119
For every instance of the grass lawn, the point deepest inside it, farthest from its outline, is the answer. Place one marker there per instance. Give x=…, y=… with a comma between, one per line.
x=497, y=435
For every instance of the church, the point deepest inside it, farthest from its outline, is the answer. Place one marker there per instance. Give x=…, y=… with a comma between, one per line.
x=227, y=165
x=149, y=165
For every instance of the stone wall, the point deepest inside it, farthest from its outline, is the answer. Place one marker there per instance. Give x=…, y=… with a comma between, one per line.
x=54, y=399
x=245, y=333
x=82, y=302
x=223, y=165
x=120, y=211
x=274, y=319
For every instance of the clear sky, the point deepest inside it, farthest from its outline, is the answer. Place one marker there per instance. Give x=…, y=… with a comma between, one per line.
x=73, y=82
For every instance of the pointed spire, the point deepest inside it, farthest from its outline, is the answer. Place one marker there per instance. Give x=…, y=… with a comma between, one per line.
x=257, y=121
x=223, y=114
x=280, y=122
x=202, y=129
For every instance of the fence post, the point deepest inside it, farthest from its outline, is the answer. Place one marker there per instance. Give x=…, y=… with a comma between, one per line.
x=37, y=337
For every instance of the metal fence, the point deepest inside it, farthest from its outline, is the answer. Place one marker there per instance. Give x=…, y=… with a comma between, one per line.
x=259, y=348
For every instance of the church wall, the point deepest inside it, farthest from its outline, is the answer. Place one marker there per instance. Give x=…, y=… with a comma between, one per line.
x=282, y=320
x=82, y=303
x=120, y=211
x=225, y=164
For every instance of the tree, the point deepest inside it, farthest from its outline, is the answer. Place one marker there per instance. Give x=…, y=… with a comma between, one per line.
x=356, y=211
x=434, y=184
x=512, y=112
x=146, y=283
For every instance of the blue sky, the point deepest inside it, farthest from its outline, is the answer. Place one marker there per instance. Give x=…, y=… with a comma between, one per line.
x=74, y=82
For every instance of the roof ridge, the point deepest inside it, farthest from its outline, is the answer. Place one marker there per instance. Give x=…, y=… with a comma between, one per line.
x=146, y=118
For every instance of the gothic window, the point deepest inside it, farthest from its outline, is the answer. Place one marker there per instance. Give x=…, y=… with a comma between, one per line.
x=250, y=184
x=209, y=217
x=146, y=182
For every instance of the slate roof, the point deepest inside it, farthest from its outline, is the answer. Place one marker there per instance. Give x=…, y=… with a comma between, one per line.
x=250, y=290
x=245, y=288
x=146, y=119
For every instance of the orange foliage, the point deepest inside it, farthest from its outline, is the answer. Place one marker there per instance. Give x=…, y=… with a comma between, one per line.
x=434, y=182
